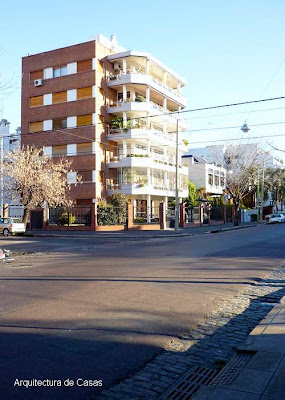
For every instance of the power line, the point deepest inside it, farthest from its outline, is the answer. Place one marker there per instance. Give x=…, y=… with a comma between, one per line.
x=241, y=138
x=161, y=114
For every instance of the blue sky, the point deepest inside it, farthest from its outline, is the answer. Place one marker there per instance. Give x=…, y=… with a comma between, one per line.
x=228, y=51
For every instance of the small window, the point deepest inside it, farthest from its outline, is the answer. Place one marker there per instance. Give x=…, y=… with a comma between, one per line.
x=85, y=65
x=210, y=179
x=59, y=123
x=83, y=120
x=222, y=181
x=36, y=101
x=59, y=97
x=36, y=126
x=86, y=176
x=84, y=93
x=84, y=148
x=60, y=71
x=71, y=177
x=39, y=74
x=217, y=180
x=59, y=151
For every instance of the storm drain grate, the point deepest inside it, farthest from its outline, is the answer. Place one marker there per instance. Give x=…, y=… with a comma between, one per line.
x=190, y=383
x=228, y=374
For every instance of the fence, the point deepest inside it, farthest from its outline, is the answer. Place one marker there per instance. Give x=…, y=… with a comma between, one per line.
x=146, y=216
x=217, y=213
x=109, y=215
x=192, y=214
x=73, y=216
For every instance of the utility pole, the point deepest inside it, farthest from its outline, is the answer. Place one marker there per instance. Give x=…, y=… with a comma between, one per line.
x=262, y=194
x=258, y=197
x=177, y=178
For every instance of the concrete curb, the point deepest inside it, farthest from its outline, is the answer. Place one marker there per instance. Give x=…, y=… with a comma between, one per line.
x=112, y=236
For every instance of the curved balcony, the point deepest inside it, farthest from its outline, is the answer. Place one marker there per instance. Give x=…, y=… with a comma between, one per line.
x=142, y=134
x=159, y=189
x=146, y=107
x=148, y=80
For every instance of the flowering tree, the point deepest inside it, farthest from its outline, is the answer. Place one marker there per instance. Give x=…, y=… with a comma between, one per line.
x=34, y=178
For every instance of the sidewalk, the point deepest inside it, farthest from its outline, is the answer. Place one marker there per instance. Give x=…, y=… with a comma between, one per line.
x=264, y=376
x=142, y=234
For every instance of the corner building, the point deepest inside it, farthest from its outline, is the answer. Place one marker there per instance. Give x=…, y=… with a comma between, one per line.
x=110, y=111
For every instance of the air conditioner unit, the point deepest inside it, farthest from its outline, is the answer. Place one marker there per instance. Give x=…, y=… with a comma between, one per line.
x=117, y=66
x=38, y=82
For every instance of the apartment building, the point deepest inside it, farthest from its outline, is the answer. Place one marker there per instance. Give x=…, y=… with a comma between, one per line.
x=95, y=103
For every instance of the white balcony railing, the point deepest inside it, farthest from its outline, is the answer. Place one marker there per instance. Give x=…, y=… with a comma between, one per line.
x=147, y=79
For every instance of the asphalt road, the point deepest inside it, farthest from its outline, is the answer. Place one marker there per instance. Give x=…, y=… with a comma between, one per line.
x=83, y=308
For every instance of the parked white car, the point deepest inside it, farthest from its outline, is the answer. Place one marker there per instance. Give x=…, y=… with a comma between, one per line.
x=12, y=226
x=276, y=218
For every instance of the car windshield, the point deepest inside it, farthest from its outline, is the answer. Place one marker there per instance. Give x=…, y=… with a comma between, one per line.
x=16, y=221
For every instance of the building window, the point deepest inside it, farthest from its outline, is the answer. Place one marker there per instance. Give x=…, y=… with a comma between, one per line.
x=59, y=71
x=84, y=148
x=59, y=123
x=84, y=93
x=36, y=101
x=217, y=180
x=71, y=177
x=86, y=176
x=36, y=126
x=36, y=75
x=59, y=97
x=210, y=179
x=222, y=181
x=120, y=96
x=83, y=120
x=58, y=151
x=84, y=65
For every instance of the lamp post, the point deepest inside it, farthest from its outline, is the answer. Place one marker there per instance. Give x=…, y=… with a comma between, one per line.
x=177, y=178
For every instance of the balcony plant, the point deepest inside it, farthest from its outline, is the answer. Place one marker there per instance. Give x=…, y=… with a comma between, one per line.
x=140, y=98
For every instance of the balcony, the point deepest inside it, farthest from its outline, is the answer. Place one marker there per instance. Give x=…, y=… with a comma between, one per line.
x=154, y=189
x=143, y=134
x=155, y=161
x=148, y=80
x=154, y=110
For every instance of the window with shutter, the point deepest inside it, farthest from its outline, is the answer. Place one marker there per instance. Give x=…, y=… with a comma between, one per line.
x=39, y=74
x=86, y=176
x=59, y=97
x=84, y=148
x=84, y=93
x=36, y=101
x=85, y=65
x=36, y=126
x=59, y=123
x=84, y=120
x=59, y=151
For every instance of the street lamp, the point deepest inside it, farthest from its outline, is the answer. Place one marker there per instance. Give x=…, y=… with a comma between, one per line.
x=245, y=127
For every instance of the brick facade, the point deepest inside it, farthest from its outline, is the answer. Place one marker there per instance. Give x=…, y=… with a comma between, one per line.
x=84, y=192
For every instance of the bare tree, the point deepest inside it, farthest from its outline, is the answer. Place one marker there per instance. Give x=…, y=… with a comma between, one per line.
x=243, y=163
x=33, y=178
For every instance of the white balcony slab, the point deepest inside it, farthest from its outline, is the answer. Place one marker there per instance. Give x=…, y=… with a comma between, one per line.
x=148, y=80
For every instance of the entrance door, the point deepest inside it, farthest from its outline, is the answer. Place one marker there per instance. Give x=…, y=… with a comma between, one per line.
x=37, y=219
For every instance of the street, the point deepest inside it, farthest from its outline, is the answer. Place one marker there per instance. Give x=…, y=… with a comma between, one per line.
x=100, y=310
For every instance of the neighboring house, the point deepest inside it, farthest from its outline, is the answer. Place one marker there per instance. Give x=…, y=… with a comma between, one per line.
x=71, y=95
x=218, y=154
x=11, y=141
x=209, y=176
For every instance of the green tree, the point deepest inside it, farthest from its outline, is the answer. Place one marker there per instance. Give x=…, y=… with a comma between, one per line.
x=193, y=195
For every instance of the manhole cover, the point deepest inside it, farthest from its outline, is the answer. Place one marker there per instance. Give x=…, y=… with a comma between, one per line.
x=228, y=374
x=190, y=382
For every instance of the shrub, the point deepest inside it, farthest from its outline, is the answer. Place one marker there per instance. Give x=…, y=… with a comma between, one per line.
x=63, y=219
